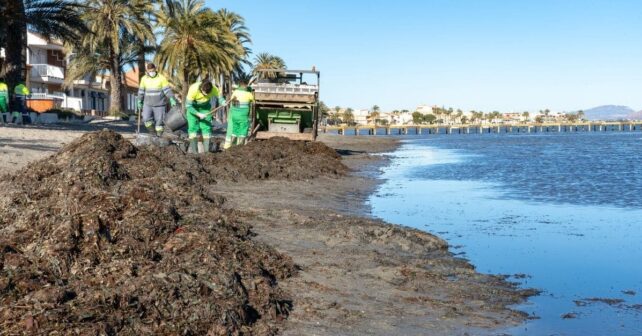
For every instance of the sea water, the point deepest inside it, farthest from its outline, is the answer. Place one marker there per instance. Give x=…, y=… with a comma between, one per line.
x=558, y=212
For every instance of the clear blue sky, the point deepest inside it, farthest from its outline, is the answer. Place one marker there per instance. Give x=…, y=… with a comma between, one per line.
x=471, y=54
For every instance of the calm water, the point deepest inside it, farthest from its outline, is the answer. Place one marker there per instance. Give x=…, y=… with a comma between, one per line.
x=564, y=209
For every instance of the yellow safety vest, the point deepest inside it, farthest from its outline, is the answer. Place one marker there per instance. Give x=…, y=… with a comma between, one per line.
x=154, y=91
x=243, y=97
x=21, y=91
x=4, y=91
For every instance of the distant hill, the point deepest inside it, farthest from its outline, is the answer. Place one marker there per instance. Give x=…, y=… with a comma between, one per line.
x=635, y=115
x=611, y=112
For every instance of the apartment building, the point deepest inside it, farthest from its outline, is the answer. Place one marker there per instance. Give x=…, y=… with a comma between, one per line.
x=46, y=69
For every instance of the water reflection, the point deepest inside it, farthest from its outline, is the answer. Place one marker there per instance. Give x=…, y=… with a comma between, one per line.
x=544, y=216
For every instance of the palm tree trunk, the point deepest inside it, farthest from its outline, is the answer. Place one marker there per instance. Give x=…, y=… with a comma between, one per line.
x=16, y=47
x=141, y=60
x=186, y=85
x=116, y=85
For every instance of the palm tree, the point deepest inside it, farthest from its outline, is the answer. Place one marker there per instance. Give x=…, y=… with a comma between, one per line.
x=234, y=24
x=50, y=18
x=144, y=47
x=111, y=22
x=88, y=61
x=197, y=43
x=448, y=112
x=267, y=61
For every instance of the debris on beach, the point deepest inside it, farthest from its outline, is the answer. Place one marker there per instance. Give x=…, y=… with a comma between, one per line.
x=108, y=238
x=278, y=158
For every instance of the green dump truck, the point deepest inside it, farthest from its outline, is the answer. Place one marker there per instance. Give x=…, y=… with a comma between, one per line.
x=286, y=104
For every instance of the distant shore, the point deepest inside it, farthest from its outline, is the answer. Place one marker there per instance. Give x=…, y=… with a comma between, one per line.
x=357, y=276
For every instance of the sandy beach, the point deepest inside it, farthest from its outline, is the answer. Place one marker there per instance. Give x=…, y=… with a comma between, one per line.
x=355, y=275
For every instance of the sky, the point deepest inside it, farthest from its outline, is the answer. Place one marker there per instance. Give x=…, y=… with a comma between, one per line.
x=505, y=55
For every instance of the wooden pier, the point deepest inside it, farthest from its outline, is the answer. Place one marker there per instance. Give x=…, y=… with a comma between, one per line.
x=484, y=129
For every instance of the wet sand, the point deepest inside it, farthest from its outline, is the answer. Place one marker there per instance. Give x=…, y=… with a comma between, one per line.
x=357, y=276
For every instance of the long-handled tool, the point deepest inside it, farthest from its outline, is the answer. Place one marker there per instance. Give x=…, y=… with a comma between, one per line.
x=138, y=112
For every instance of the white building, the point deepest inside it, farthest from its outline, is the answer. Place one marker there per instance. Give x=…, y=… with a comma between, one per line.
x=361, y=116
x=424, y=109
x=46, y=69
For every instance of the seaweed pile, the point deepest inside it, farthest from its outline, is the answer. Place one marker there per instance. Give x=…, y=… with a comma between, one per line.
x=277, y=158
x=107, y=238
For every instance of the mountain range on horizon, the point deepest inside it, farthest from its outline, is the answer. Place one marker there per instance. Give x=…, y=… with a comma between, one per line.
x=612, y=112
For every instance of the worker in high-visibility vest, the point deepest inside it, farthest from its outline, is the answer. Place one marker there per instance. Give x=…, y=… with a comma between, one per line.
x=238, y=118
x=199, y=118
x=20, y=94
x=154, y=94
x=4, y=99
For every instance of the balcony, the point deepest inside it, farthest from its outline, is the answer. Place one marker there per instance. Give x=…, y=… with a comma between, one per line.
x=47, y=73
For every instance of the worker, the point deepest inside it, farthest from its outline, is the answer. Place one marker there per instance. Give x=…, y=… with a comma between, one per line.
x=238, y=118
x=153, y=95
x=20, y=94
x=199, y=118
x=4, y=99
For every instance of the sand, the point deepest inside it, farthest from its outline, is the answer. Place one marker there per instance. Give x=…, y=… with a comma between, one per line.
x=356, y=275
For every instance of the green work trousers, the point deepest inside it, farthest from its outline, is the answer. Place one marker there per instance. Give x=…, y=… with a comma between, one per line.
x=195, y=124
x=4, y=107
x=237, y=125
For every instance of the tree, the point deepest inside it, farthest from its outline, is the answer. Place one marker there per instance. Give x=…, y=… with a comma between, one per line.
x=572, y=117
x=323, y=109
x=144, y=47
x=580, y=114
x=50, y=18
x=448, y=113
x=526, y=115
x=111, y=22
x=234, y=25
x=464, y=120
x=197, y=43
x=348, y=117
x=539, y=119
x=87, y=61
x=375, y=114
x=267, y=61
x=417, y=118
x=429, y=118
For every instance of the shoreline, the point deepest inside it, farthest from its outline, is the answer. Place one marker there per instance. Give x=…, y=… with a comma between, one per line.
x=357, y=275
x=360, y=275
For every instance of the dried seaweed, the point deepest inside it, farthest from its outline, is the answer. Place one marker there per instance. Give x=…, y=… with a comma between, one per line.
x=105, y=238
